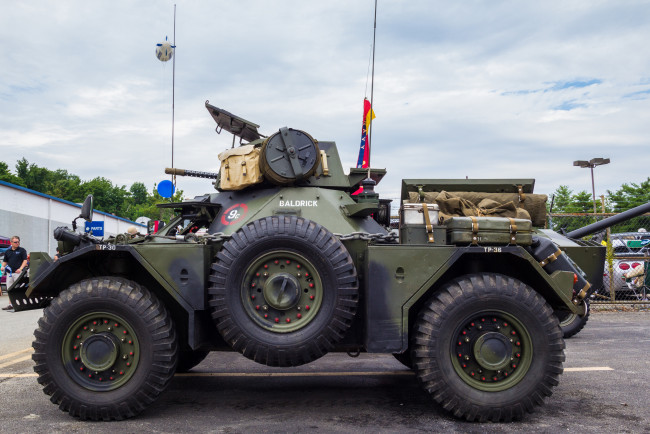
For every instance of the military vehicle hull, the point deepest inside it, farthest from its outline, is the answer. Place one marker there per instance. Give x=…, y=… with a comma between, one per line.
x=293, y=266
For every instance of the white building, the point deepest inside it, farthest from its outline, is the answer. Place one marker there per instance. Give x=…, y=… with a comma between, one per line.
x=33, y=216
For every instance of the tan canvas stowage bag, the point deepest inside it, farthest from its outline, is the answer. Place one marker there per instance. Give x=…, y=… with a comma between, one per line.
x=240, y=167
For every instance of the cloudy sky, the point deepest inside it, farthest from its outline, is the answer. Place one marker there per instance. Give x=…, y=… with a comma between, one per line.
x=484, y=89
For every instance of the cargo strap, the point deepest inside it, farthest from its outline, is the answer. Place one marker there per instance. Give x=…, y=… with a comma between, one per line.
x=427, y=221
x=513, y=231
x=522, y=196
x=474, y=230
x=583, y=292
x=551, y=258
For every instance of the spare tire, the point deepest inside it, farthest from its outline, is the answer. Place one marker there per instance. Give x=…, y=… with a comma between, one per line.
x=283, y=291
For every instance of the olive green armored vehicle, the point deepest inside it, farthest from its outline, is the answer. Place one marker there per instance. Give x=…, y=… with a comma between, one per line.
x=284, y=263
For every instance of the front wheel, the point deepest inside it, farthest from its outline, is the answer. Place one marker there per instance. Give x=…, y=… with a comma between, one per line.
x=487, y=347
x=105, y=349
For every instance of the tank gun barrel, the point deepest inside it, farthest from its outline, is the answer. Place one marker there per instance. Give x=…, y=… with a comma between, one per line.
x=194, y=173
x=609, y=221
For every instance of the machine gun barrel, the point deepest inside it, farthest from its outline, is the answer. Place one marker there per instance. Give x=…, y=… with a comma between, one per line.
x=609, y=221
x=194, y=173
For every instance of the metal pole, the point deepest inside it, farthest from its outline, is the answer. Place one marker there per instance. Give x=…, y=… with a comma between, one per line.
x=372, y=89
x=593, y=188
x=173, y=95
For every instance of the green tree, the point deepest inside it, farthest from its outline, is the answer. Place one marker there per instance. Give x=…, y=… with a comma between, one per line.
x=7, y=176
x=627, y=197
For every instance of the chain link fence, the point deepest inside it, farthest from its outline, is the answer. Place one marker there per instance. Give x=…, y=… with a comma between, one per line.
x=625, y=275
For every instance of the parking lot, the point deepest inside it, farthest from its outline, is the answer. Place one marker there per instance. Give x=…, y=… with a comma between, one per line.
x=604, y=389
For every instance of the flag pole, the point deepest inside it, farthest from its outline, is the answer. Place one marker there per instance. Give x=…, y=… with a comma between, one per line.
x=173, y=95
x=372, y=87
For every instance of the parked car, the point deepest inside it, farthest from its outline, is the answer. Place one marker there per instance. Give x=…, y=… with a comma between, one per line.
x=631, y=249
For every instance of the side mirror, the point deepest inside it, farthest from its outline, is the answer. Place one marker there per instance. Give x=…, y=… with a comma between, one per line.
x=87, y=209
x=86, y=212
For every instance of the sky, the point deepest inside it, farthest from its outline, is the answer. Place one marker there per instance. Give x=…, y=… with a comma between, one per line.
x=478, y=89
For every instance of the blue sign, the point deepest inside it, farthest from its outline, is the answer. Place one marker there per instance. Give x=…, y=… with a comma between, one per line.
x=166, y=188
x=97, y=228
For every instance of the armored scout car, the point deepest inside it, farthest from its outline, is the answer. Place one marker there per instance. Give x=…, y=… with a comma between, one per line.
x=283, y=264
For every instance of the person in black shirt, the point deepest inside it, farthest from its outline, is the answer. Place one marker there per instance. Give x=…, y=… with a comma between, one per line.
x=13, y=263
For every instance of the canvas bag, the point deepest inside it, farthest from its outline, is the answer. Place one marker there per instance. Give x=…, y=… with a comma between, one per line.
x=240, y=167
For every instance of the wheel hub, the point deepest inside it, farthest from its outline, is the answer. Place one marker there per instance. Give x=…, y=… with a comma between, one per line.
x=492, y=351
x=100, y=351
x=282, y=291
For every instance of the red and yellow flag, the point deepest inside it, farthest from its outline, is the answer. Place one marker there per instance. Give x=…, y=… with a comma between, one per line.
x=364, y=150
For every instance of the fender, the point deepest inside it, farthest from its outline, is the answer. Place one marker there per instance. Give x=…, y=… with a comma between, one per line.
x=176, y=273
x=401, y=278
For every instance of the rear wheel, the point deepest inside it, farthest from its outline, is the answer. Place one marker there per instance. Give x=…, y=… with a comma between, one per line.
x=487, y=347
x=572, y=323
x=105, y=349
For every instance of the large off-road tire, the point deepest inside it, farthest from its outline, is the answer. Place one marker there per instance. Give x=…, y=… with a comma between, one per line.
x=105, y=349
x=187, y=359
x=283, y=291
x=571, y=323
x=487, y=347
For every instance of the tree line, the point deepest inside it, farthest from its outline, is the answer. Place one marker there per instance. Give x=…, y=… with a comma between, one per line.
x=136, y=201
x=628, y=196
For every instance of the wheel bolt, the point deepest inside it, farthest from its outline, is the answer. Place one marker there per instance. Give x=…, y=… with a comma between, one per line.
x=257, y=274
x=311, y=297
x=299, y=316
x=277, y=320
x=307, y=307
x=253, y=285
x=276, y=262
x=252, y=297
x=288, y=319
x=311, y=285
x=257, y=307
x=78, y=336
x=124, y=332
x=298, y=266
x=288, y=262
x=306, y=274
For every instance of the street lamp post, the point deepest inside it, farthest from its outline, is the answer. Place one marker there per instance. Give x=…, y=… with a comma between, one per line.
x=591, y=164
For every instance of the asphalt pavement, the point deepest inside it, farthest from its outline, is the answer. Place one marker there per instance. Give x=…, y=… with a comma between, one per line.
x=604, y=389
